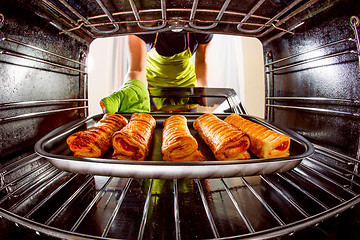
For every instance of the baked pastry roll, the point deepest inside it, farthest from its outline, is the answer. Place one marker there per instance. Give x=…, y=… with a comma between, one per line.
x=95, y=141
x=265, y=143
x=133, y=141
x=177, y=142
x=226, y=141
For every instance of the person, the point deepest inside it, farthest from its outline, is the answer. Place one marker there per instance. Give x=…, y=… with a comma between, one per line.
x=159, y=60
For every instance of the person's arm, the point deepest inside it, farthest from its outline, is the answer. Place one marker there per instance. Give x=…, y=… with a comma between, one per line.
x=201, y=64
x=133, y=96
x=137, y=59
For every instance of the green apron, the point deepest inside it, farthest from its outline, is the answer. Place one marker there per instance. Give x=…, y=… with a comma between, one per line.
x=170, y=71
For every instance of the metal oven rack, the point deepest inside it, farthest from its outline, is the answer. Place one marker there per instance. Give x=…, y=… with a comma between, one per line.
x=38, y=196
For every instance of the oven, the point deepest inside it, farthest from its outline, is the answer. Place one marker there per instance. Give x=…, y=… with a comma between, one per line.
x=311, y=55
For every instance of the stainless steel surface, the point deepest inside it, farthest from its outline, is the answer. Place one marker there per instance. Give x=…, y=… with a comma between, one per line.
x=54, y=147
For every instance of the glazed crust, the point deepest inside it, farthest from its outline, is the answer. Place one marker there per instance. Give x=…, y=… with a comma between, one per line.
x=133, y=141
x=265, y=143
x=177, y=142
x=95, y=141
x=225, y=141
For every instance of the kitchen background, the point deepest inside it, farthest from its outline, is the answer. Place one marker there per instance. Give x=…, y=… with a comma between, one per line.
x=233, y=62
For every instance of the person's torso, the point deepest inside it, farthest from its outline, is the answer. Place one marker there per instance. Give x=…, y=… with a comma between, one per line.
x=175, y=70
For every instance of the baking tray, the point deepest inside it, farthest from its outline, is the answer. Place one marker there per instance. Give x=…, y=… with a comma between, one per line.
x=53, y=147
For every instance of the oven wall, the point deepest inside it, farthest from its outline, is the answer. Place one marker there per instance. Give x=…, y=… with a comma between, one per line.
x=29, y=75
x=333, y=120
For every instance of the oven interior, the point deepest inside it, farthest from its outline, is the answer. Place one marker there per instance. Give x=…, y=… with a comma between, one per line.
x=311, y=52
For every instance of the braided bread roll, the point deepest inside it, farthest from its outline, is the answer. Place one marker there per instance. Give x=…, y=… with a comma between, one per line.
x=265, y=143
x=177, y=142
x=225, y=141
x=133, y=141
x=95, y=141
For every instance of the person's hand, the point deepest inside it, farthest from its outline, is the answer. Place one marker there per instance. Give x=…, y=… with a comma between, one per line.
x=133, y=96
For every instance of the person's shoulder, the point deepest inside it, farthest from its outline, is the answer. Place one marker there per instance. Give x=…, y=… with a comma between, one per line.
x=203, y=38
x=147, y=37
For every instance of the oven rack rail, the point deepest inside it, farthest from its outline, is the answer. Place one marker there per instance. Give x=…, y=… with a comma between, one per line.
x=272, y=67
x=354, y=24
x=77, y=105
x=249, y=25
x=338, y=181
x=80, y=67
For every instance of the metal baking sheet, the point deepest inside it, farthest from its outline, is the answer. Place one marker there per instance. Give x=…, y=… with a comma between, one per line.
x=53, y=147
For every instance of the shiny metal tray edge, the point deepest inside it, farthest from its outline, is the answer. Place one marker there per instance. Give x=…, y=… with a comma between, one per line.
x=54, y=148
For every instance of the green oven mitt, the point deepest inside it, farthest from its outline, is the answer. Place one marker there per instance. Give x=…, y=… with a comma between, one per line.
x=133, y=96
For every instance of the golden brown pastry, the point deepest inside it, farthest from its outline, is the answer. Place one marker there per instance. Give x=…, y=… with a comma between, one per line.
x=133, y=141
x=95, y=141
x=265, y=143
x=225, y=141
x=177, y=142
